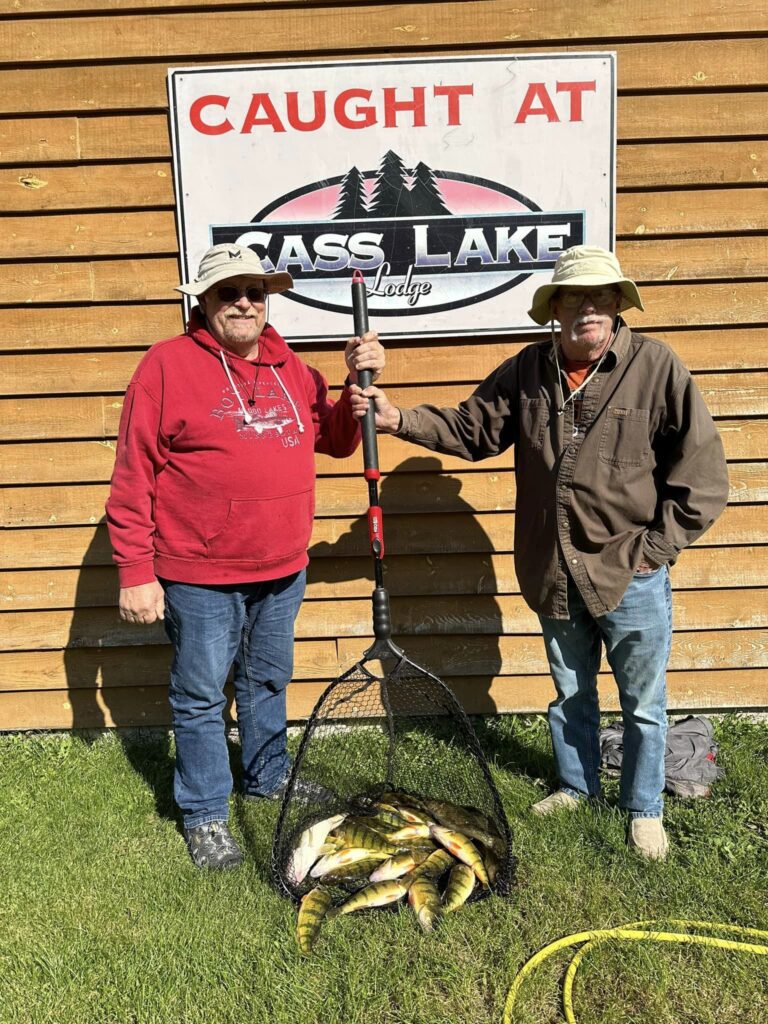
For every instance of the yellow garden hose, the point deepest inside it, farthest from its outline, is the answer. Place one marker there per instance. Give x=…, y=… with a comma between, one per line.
x=635, y=932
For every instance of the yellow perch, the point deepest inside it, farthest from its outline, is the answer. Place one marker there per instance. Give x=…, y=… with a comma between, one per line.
x=409, y=832
x=488, y=839
x=461, y=882
x=460, y=815
x=311, y=913
x=360, y=871
x=407, y=806
x=343, y=859
x=397, y=866
x=388, y=814
x=434, y=866
x=461, y=848
x=467, y=820
x=307, y=849
x=415, y=816
x=354, y=833
x=425, y=900
x=377, y=895
x=491, y=863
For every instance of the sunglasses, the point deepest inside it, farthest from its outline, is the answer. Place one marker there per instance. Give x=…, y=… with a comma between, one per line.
x=228, y=293
x=597, y=296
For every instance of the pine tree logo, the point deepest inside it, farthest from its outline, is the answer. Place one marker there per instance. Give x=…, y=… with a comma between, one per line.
x=397, y=192
x=426, y=198
x=352, y=199
x=427, y=240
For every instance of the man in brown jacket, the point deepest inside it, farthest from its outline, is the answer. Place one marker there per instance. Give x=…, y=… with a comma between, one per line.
x=618, y=468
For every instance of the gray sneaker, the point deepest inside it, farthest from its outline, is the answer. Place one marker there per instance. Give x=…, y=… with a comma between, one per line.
x=213, y=846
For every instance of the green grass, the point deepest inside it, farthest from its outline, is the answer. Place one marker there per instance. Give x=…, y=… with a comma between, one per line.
x=104, y=919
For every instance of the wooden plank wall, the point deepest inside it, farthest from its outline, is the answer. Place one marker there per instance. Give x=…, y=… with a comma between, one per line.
x=89, y=262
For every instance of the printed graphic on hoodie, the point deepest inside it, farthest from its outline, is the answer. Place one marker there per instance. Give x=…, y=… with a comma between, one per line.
x=267, y=415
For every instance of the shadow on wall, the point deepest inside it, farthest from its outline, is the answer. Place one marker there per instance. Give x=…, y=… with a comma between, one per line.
x=436, y=620
x=117, y=674
x=117, y=677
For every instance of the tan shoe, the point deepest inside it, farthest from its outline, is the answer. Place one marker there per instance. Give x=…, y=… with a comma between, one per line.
x=559, y=801
x=648, y=838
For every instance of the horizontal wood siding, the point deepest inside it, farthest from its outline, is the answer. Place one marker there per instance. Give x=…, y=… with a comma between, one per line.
x=89, y=255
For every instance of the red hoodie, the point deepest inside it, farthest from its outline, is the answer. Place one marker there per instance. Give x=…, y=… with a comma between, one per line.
x=214, y=485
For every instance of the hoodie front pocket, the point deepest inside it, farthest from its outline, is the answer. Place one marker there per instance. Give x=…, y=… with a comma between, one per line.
x=264, y=529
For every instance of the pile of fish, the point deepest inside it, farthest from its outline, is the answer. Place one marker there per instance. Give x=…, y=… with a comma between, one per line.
x=396, y=845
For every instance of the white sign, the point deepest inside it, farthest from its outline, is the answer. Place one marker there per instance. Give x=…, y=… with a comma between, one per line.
x=451, y=184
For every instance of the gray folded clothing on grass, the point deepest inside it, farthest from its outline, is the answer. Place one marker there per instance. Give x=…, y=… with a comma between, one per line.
x=689, y=762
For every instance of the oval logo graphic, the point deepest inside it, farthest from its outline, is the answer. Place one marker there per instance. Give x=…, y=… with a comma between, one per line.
x=425, y=240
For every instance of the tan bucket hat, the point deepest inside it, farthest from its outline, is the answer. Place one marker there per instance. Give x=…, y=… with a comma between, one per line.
x=583, y=266
x=223, y=261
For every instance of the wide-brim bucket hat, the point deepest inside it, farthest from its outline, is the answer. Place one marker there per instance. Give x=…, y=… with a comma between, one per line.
x=224, y=261
x=583, y=266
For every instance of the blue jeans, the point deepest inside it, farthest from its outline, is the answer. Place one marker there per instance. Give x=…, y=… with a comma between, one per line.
x=637, y=636
x=247, y=626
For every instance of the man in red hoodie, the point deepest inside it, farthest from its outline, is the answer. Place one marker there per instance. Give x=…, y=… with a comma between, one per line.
x=210, y=515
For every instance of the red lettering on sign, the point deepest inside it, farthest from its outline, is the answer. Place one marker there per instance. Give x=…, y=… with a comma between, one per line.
x=367, y=115
x=537, y=91
x=352, y=108
x=576, y=89
x=196, y=115
x=261, y=101
x=392, y=106
x=292, y=109
x=453, y=92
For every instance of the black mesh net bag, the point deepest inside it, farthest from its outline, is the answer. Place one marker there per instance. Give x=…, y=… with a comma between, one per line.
x=389, y=777
x=378, y=748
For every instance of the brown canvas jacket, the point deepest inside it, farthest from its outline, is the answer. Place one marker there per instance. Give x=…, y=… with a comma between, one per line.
x=644, y=476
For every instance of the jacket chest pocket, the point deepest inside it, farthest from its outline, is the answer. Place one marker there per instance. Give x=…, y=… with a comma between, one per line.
x=534, y=416
x=625, y=438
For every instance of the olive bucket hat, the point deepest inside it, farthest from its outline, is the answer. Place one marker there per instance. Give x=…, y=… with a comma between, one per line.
x=224, y=261
x=583, y=266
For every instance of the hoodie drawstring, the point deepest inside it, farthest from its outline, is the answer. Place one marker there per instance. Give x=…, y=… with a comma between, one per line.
x=288, y=396
x=246, y=415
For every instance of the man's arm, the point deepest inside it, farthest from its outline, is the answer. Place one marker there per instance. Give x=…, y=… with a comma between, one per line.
x=483, y=425
x=141, y=454
x=692, y=475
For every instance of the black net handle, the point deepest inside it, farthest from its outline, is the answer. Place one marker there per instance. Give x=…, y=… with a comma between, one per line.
x=382, y=624
x=365, y=377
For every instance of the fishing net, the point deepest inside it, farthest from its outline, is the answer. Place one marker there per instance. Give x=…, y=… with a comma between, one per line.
x=389, y=732
x=374, y=735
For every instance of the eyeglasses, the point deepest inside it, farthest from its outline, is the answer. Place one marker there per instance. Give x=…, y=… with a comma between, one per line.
x=597, y=296
x=228, y=293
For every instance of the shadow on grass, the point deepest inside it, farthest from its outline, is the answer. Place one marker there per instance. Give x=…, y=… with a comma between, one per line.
x=519, y=746
x=150, y=754
x=256, y=824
